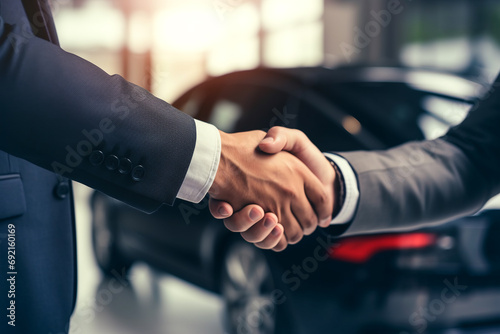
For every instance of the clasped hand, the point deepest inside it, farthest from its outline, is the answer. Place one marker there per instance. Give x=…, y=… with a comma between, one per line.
x=273, y=188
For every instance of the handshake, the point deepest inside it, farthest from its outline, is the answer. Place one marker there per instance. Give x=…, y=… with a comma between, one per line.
x=273, y=188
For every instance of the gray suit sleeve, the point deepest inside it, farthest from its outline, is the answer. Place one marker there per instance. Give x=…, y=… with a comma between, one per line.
x=419, y=183
x=430, y=182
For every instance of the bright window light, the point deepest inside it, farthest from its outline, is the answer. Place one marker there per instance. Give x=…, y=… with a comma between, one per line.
x=187, y=28
x=140, y=39
x=97, y=23
x=236, y=55
x=279, y=13
x=242, y=22
x=301, y=46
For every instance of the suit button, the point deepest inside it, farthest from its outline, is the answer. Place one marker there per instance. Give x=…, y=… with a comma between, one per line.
x=138, y=173
x=112, y=162
x=96, y=158
x=62, y=190
x=125, y=166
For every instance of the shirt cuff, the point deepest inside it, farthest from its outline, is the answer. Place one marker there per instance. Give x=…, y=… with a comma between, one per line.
x=204, y=163
x=346, y=213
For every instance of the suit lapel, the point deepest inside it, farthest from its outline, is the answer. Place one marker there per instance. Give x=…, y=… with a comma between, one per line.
x=41, y=20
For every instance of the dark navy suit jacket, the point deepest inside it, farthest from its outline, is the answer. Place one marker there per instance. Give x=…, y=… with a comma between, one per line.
x=63, y=118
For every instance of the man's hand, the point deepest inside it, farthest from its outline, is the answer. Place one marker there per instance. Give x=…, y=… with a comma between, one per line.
x=276, y=140
x=278, y=183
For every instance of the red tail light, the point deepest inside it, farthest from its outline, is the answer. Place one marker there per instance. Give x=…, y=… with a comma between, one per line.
x=361, y=249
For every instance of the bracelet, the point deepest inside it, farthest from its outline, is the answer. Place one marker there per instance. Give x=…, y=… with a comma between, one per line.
x=341, y=189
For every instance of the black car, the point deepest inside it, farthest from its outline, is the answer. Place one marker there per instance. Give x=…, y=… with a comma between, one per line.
x=442, y=279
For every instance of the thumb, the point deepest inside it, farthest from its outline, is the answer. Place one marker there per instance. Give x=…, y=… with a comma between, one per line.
x=297, y=143
x=274, y=141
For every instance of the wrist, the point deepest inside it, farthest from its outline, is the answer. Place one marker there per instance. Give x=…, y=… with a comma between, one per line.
x=338, y=188
x=238, y=153
x=349, y=184
x=221, y=174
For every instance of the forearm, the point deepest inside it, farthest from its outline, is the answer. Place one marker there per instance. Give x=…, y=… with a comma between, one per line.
x=414, y=184
x=478, y=138
x=431, y=181
x=58, y=108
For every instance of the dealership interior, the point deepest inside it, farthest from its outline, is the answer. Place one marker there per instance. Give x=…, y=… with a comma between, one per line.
x=449, y=50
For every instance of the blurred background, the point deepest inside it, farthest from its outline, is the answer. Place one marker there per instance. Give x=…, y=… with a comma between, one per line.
x=170, y=46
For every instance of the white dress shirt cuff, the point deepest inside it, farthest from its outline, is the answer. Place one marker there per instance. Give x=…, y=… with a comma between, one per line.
x=348, y=209
x=204, y=163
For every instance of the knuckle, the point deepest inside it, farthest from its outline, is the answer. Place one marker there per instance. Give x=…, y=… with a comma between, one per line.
x=280, y=247
x=310, y=225
x=299, y=134
x=290, y=192
x=267, y=243
x=260, y=133
x=310, y=229
x=323, y=197
x=254, y=236
x=294, y=237
x=263, y=245
x=304, y=136
x=249, y=237
x=234, y=226
x=309, y=222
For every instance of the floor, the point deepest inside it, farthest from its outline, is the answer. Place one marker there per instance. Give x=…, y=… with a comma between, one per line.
x=149, y=303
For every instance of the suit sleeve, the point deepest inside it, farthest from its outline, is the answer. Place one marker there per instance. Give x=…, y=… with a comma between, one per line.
x=64, y=114
x=430, y=182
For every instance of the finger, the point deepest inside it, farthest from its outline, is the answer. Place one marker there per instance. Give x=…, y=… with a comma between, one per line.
x=283, y=139
x=260, y=230
x=307, y=219
x=294, y=231
x=275, y=140
x=282, y=244
x=220, y=209
x=321, y=198
x=296, y=142
x=242, y=220
x=275, y=239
